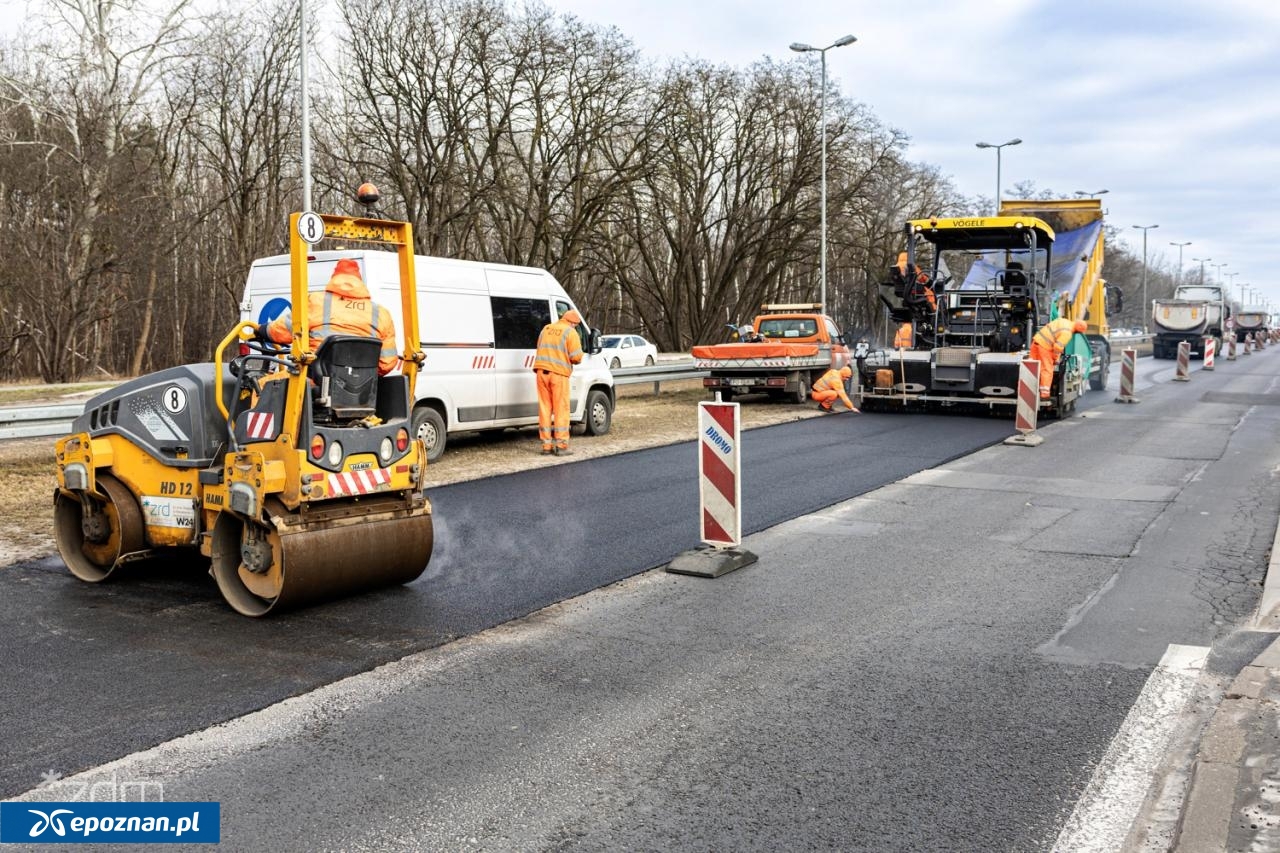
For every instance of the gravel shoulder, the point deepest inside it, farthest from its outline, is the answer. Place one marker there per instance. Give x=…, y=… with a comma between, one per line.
x=642, y=419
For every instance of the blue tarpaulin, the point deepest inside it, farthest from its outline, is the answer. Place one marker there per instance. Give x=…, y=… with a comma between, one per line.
x=1070, y=256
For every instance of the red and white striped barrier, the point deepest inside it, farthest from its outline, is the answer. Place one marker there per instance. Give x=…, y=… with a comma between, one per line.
x=1210, y=350
x=1183, y=371
x=1128, y=367
x=1248, y=343
x=1231, y=346
x=1028, y=405
x=719, y=467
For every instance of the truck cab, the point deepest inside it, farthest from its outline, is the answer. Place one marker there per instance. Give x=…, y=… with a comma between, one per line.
x=782, y=353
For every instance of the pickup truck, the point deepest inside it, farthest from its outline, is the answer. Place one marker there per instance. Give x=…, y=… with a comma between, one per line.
x=782, y=353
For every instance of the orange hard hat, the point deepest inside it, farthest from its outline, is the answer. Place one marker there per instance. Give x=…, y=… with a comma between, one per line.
x=571, y=316
x=347, y=266
x=846, y=372
x=1081, y=326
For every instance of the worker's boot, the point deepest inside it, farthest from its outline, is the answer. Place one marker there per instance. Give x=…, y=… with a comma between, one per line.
x=564, y=451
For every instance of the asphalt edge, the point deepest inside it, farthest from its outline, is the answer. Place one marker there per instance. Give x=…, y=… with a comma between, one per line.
x=1224, y=786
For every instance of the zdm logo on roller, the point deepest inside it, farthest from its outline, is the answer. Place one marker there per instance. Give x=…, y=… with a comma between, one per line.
x=721, y=443
x=109, y=823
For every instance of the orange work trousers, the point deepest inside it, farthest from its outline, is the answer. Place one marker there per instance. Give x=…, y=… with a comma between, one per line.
x=1048, y=361
x=553, y=410
x=828, y=397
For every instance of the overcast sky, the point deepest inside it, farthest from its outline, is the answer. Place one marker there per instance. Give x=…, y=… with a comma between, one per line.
x=1173, y=106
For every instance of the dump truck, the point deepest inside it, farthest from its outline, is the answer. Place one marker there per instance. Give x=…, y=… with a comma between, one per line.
x=782, y=353
x=975, y=290
x=1252, y=320
x=294, y=471
x=1196, y=312
x=1077, y=289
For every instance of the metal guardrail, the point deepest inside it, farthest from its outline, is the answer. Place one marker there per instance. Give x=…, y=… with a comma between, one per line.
x=45, y=421
x=38, y=421
x=658, y=373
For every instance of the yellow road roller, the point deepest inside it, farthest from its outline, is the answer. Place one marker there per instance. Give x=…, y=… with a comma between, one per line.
x=294, y=471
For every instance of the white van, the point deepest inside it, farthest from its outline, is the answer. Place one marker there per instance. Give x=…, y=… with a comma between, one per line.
x=478, y=325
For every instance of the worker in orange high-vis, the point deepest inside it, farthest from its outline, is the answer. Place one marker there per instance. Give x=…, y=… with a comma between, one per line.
x=1048, y=345
x=830, y=387
x=559, y=349
x=905, y=336
x=344, y=307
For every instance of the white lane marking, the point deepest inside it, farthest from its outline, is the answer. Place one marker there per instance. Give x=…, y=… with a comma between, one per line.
x=1113, y=797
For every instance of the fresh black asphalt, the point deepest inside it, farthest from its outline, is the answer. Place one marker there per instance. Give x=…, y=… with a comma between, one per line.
x=93, y=672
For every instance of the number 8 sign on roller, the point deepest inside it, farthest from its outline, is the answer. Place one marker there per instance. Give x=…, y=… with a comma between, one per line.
x=310, y=227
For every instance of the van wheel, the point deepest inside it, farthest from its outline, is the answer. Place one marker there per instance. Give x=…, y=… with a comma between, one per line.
x=799, y=396
x=428, y=425
x=599, y=416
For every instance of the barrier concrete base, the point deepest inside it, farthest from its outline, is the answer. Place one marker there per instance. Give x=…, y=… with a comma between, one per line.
x=708, y=562
x=1128, y=398
x=1029, y=439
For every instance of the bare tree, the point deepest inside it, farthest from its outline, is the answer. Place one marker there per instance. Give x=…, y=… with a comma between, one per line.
x=86, y=98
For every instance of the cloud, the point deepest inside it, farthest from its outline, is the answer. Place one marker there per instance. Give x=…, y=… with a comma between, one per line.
x=1171, y=107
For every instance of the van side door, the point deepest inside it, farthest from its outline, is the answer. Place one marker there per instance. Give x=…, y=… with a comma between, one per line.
x=517, y=322
x=457, y=337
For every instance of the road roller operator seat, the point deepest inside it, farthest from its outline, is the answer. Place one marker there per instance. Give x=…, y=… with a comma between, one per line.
x=345, y=373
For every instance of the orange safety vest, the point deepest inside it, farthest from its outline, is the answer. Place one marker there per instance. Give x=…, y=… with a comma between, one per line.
x=830, y=381
x=1055, y=335
x=559, y=348
x=343, y=308
x=904, y=337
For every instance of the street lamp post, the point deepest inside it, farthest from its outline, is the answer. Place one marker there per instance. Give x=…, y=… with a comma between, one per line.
x=1232, y=276
x=1202, y=262
x=998, y=147
x=1180, y=248
x=1219, y=267
x=1087, y=194
x=801, y=47
x=1145, y=307
x=305, y=97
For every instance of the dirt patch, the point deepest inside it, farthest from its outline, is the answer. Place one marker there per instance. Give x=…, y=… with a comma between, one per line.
x=35, y=393
x=641, y=419
x=26, y=499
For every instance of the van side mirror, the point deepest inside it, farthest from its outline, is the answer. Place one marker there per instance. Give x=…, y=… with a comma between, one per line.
x=593, y=341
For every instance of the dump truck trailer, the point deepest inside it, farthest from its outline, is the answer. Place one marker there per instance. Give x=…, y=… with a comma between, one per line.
x=1252, y=320
x=1196, y=312
x=1077, y=289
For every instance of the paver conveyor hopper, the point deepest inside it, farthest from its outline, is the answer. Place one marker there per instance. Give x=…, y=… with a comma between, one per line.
x=293, y=470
